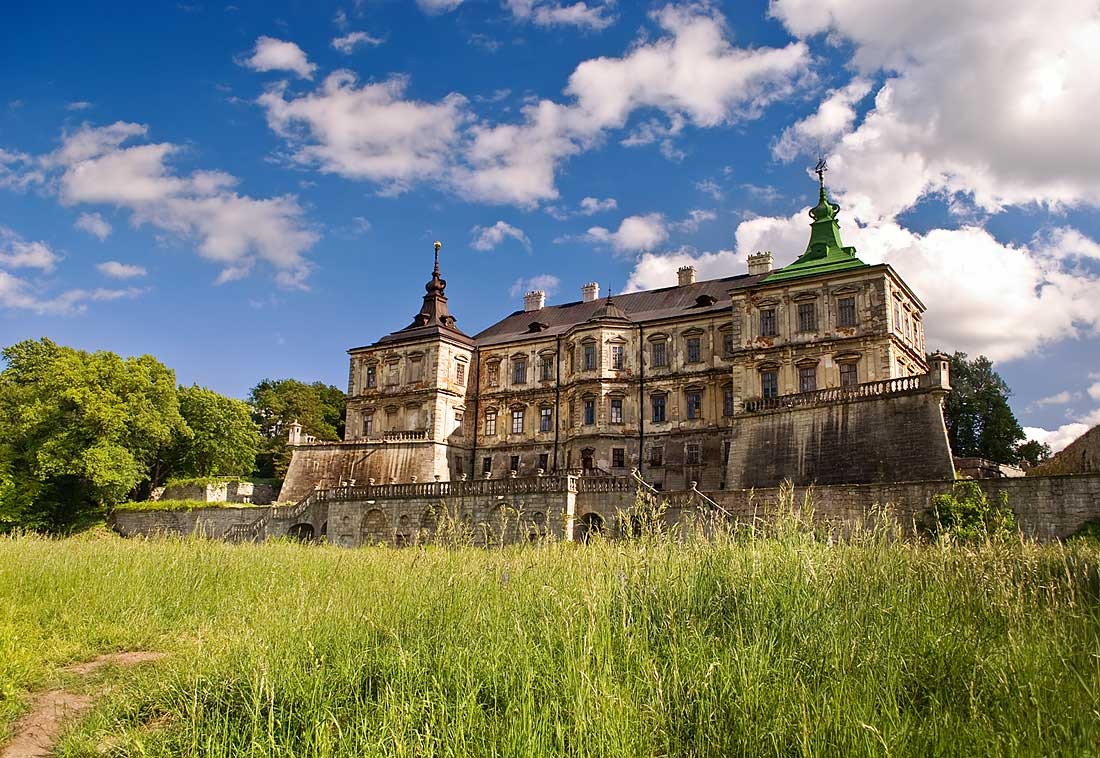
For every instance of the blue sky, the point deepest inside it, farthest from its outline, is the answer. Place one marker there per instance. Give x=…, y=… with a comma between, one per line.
x=246, y=190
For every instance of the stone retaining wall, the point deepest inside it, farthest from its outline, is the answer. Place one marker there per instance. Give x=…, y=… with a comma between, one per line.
x=210, y=522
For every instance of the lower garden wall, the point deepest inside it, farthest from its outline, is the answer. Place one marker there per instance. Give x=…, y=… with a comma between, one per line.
x=210, y=522
x=1047, y=507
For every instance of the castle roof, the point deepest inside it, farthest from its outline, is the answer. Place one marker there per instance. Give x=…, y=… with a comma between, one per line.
x=434, y=319
x=635, y=307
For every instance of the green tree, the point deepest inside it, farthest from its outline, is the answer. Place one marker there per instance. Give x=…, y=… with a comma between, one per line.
x=318, y=407
x=1033, y=453
x=81, y=431
x=221, y=438
x=979, y=421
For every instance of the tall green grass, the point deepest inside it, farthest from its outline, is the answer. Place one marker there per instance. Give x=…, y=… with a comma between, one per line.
x=735, y=645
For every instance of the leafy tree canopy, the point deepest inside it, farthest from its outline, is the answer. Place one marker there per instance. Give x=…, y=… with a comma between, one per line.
x=318, y=407
x=222, y=439
x=979, y=421
x=82, y=430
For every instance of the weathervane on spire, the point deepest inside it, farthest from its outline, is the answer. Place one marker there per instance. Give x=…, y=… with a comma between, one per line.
x=820, y=170
x=438, y=245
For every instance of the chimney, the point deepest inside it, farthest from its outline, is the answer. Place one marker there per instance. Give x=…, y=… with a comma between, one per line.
x=760, y=263
x=686, y=274
x=534, y=300
x=590, y=292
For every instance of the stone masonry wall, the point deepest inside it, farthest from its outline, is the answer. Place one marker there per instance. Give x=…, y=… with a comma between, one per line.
x=328, y=465
x=896, y=438
x=222, y=492
x=1048, y=508
x=210, y=522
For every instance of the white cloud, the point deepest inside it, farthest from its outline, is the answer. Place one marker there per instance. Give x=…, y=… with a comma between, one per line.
x=1060, y=398
x=694, y=219
x=710, y=187
x=634, y=233
x=592, y=205
x=435, y=7
x=94, y=165
x=691, y=73
x=16, y=252
x=348, y=42
x=94, y=224
x=1059, y=438
x=1094, y=391
x=117, y=270
x=272, y=54
x=547, y=13
x=816, y=133
x=488, y=237
x=548, y=283
x=79, y=105
x=655, y=270
x=999, y=106
x=369, y=131
x=19, y=294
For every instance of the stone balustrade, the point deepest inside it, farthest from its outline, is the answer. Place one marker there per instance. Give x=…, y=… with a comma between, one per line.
x=901, y=385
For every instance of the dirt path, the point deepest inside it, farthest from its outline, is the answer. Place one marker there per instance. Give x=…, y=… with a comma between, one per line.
x=36, y=732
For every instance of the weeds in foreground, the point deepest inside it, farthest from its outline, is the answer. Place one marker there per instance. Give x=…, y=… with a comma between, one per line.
x=695, y=640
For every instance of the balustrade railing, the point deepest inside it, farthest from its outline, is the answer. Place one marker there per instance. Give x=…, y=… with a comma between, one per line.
x=897, y=386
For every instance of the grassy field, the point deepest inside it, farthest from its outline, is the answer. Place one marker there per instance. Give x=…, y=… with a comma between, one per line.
x=778, y=646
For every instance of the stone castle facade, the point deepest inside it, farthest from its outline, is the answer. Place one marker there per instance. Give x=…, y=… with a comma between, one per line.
x=814, y=372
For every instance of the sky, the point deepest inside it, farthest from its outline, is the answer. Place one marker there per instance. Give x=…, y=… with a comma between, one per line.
x=248, y=189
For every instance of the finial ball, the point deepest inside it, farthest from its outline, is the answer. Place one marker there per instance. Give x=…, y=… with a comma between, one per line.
x=438, y=245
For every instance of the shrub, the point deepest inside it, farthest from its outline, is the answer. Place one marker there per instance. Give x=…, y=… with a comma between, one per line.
x=967, y=515
x=1090, y=530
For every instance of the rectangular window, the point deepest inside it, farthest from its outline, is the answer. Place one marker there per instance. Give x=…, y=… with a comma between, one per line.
x=590, y=411
x=372, y=377
x=391, y=420
x=693, y=454
x=897, y=316
x=546, y=368
x=767, y=323
x=725, y=452
x=660, y=354
x=458, y=423
x=368, y=423
x=694, y=352
x=546, y=419
x=513, y=463
x=618, y=457
x=657, y=456
x=727, y=344
x=617, y=357
x=460, y=372
x=846, y=311
x=391, y=373
x=616, y=410
x=849, y=376
x=658, y=402
x=544, y=461
x=807, y=317
x=414, y=370
x=807, y=379
x=519, y=371
x=589, y=357
x=490, y=423
x=493, y=374
x=486, y=464
x=517, y=422
x=727, y=401
x=769, y=383
x=694, y=404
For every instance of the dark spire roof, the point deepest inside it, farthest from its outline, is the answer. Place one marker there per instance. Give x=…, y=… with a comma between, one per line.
x=609, y=312
x=434, y=318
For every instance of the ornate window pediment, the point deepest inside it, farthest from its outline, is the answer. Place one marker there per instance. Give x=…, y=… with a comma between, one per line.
x=693, y=331
x=806, y=297
x=807, y=362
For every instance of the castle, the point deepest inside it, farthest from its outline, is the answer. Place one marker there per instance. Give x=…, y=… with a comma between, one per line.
x=814, y=372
